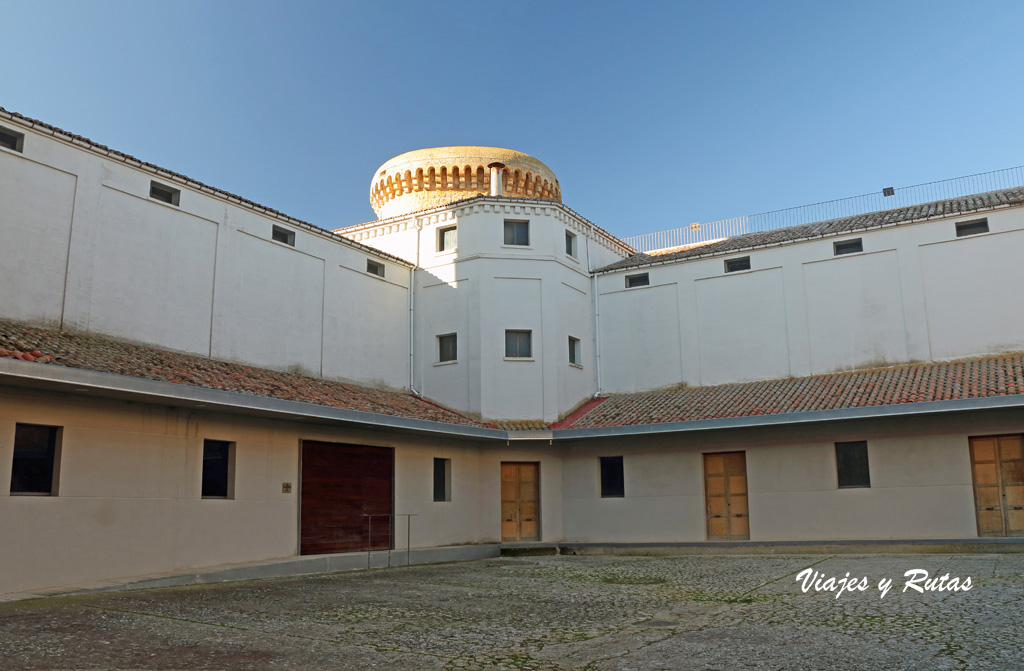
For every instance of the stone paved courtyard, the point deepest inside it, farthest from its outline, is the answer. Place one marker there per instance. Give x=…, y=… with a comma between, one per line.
x=553, y=612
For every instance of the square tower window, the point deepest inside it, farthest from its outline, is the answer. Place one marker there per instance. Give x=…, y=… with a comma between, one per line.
x=518, y=344
x=447, y=238
x=11, y=139
x=517, y=233
x=280, y=234
x=375, y=268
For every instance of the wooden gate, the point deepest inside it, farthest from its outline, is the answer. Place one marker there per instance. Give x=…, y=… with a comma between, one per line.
x=520, y=501
x=340, y=485
x=997, y=468
x=725, y=491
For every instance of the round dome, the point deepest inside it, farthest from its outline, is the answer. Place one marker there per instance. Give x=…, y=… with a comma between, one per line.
x=425, y=178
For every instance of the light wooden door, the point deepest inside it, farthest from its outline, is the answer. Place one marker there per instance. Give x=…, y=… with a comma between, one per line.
x=997, y=467
x=725, y=491
x=520, y=501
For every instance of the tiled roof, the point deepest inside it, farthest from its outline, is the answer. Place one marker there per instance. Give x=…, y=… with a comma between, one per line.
x=103, y=149
x=940, y=208
x=90, y=352
x=970, y=378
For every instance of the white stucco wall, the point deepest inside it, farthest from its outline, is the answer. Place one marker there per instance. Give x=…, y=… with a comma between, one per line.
x=916, y=293
x=94, y=252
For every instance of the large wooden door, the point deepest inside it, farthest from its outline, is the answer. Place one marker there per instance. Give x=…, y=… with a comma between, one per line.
x=340, y=485
x=725, y=491
x=520, y=501
x=997, y=467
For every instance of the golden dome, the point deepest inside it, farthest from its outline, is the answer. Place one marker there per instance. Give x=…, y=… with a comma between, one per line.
x=425, y=178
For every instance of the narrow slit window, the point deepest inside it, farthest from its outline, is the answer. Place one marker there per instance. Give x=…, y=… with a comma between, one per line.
x=641, y=280
x=164, y=193
x=447, y=346
x=442, y=479
x=518, y=344
x=280, y=234
x=570, y=244
x=447, y=239
x=613, y=483
x=35, y=466
x=11, y=139
x=852, y=464
x=218, y=469
x=847, y=247
x=375, y=268
x=517, y=233
x=966, y=228
x=735, y=265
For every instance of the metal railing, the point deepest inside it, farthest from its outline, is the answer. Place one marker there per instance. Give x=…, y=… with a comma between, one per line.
x=887, y=199
x=390, y=532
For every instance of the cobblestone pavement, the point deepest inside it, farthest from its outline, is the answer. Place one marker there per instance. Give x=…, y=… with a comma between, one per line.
x=557, y=612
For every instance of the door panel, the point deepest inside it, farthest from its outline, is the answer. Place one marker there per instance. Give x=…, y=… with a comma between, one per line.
x=997, y=468
x=520, y=501
x=725, y=487
x=340, y=484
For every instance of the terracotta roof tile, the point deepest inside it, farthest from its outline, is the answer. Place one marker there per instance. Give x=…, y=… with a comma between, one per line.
x=91, y=352
x=860, y=222
x=971, y=378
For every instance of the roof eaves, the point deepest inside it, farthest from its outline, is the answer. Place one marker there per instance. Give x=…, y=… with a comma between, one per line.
x=797, y=418
x=128, y=159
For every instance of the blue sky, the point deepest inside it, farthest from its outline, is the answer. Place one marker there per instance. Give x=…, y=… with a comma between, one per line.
x=652, y=115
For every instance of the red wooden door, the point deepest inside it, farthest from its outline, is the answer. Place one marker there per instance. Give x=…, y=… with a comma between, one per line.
x=341, y=484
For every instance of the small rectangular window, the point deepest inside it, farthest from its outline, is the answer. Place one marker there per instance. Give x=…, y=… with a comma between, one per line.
x=164, y=193
x=517, y=233
x=641, y=280
x=847, y=247
x=570, y=244
x=971, y=227
x=574, y=351
x=218, y=469
x=518, y=344
x=442, y=479
x=375, y=268
x=447, y=238
x=613, y=483
x=447, y=346
x=852, y=464
x=733, y=265
x=280, y=234
x=36, y=460
x=11, y=139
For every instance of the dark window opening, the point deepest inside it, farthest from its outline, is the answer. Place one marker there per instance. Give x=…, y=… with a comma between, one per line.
x=847, y=247
x=518, y=344
x=612, y=480
x=375, y=268
x=574, y=351
x=852, y=464
x=217, y=469
x=12, y=140
x=283, y=235
x=447, y=239
x=972, y=228
x=517, y=233
x=442, y=479
x=734, y=265
x=164, y=193
x=35, y=458
x=570, y=244
x=641, y=280
x=447, y=346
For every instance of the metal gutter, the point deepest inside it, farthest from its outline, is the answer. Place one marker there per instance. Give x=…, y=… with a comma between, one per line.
x=50, y=377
